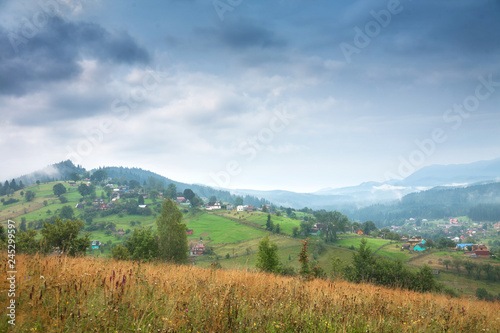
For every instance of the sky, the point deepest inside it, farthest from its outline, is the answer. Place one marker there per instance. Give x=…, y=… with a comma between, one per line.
x=295, y=95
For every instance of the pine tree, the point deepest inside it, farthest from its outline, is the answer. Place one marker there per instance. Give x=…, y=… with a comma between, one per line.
x=141, y=200
x=173, y=244
x=13, y=185
x=269, y=223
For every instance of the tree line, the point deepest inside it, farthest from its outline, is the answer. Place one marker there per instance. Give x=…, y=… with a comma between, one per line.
x=437, y=203
x=365, y=268
x=169, y=243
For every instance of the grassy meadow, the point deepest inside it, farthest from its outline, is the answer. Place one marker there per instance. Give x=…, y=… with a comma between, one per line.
x=219, y=230
x=373, y=243
x=62, y=294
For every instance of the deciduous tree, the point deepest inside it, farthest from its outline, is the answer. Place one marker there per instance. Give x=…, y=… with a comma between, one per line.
x=99, y=175
x=188, y=194
x=29, y=196
x=267, y=256
x=66, y=212
x=65, y=236
x=173, y=245
x=142, y=244
x=59, y=189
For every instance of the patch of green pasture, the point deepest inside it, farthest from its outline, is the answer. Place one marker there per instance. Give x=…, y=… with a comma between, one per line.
x=249, y=261
x=253, y=245
x=221, y=230
x=373, y=243
x=394, y=251
x=286, y=224
x=466, y=285
x=100, y=235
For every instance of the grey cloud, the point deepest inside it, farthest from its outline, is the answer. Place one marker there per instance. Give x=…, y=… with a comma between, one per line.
x=458, y=28
x=244, y=34
x=53, y=53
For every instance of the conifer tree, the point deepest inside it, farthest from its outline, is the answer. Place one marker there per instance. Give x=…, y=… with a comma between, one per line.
x=269, y=223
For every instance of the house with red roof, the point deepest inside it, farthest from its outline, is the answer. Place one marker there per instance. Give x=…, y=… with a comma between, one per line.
x=197, y=250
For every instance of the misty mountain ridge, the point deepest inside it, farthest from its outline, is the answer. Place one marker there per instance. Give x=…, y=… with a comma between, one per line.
x=452, y=175
x=351, y=197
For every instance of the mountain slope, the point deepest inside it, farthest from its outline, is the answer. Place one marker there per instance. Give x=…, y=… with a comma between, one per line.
x=203, y=191
x=423, y=179
x=57, y=171
x=436, y=203
x=438, y=175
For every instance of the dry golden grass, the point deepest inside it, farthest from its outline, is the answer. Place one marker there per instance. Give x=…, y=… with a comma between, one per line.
x=61, y=294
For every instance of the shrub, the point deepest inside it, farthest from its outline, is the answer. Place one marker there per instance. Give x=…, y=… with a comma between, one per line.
x=120, y=252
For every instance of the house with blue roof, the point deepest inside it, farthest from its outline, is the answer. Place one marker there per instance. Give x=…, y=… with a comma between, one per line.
x=462, y=246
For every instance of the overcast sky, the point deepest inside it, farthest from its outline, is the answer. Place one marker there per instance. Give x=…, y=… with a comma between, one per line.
x=284, y=94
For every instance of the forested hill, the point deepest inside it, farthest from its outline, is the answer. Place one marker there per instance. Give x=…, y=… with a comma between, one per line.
x=66, y=170
x=144, y=176
x=58, y=171
x=480, y=202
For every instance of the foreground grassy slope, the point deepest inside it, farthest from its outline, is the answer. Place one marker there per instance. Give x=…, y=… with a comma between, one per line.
x=59, y=294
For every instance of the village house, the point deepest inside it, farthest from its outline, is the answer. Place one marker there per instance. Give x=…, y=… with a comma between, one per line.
x=183, y=201
x=319, y=226
x=415, y=240
x=359, y=232
x=241, y=208
x=213, y=205
x=197, y=250
x=95, y=244
x=420, y=246
x=480, y=250
x=98, y=202
x=120, y=232
x=464, y=246
x=315, y=232
x=190, y=231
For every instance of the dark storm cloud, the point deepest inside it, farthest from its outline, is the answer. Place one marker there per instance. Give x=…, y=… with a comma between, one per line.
x=52, y=53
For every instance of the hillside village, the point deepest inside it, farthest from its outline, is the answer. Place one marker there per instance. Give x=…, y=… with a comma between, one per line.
x=455, y=257
x=112, y=209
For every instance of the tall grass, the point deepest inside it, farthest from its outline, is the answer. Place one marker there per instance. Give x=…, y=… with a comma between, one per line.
x=62, y=294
